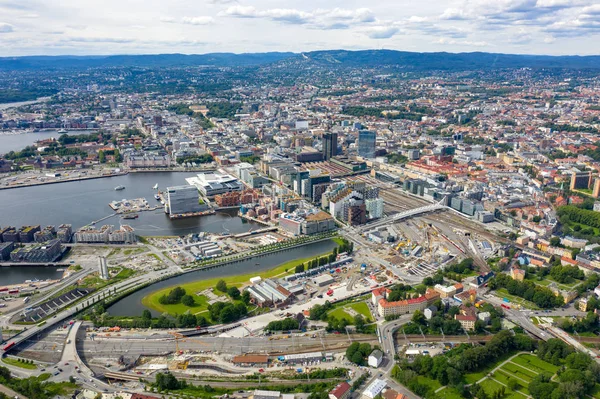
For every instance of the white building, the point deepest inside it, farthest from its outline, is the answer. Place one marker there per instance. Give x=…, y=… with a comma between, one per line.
x=375, y=388
x=374, y=208
x=211, y=184
x=375, y=358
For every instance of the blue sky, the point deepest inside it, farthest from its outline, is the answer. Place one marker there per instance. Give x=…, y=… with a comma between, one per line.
x=51, y=27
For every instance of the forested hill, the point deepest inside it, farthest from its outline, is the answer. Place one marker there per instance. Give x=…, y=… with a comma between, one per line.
x=445, y=61
x=336, y=58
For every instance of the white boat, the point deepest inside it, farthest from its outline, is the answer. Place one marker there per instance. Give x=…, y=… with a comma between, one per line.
x=61, y=131
x=157, y=197
x=155, y=187
x=119, y=188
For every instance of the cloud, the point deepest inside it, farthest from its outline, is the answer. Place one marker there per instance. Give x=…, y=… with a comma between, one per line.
x=336, y=18
x=6, y=28
x=222, y=1
x=468, y=43
x=453, y=14
x=168, y=20
x=198, y=20
x=381, y=32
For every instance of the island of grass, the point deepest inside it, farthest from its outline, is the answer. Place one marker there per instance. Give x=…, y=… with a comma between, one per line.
x=196, y=288
x=22, y=363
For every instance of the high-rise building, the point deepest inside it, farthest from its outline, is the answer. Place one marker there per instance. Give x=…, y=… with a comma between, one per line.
x=330, y=142
x=581, y=180
x=183, y=199
x=103, y=268
x=596, y=190
x=366, y=143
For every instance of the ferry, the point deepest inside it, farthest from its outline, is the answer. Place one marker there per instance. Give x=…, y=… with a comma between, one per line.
x=119, y=188
x=130, y=216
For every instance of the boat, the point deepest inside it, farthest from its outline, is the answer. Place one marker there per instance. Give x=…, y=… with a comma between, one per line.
x=130, y=216
x=155, y=187
x=62, y=131
x=119, y=188
x=157, y=197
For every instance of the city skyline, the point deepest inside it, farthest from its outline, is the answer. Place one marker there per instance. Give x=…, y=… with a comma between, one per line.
x=554, y=27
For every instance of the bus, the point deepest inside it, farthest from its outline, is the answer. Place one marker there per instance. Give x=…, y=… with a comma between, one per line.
x=7, y=347
x=505, y=306
x=26, y=299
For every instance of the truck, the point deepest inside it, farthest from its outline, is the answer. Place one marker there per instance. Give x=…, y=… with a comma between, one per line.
x=506, y=300
x=505, y=306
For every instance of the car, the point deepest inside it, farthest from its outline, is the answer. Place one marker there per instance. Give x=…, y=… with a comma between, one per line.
x=261, y=370
x=66, y=363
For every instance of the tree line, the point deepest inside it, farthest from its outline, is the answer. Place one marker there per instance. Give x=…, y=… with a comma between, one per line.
x=541, y=296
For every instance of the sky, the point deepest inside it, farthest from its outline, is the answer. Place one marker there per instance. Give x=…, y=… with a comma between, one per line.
x=92, y=27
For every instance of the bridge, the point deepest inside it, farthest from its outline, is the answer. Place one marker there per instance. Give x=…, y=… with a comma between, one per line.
x=405, y=215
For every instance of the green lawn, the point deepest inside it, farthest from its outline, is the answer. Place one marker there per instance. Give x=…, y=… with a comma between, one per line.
x=15, y=362
x=192, y=288
x=448, y=393
x=434, y=384
x=503, y=293
x=503, y=377
x=519, y=371
x=360, y=307
x=534, y=363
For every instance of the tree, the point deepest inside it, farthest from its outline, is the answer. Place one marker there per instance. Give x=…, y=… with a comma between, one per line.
x=299, y=268
x=101, y=156
x=146, y=315
x=222, y=286
x=188, y=300
x=359, y=322
x=418, y=317
x=246, y=297
x=234, y=293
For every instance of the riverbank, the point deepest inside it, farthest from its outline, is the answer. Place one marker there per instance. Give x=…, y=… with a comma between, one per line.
x=196, y=287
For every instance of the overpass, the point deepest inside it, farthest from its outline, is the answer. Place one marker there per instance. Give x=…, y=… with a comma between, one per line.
x=70, y=312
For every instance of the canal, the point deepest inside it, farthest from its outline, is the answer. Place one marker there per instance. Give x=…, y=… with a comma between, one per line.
x=19, y=274
x=132, y=305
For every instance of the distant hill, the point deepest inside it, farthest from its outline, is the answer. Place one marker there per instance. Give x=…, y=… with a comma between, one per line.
x=445, y=61
x=338, y=58
x=156, y=60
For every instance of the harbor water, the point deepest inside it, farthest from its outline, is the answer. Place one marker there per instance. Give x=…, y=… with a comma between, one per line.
x=82, y=202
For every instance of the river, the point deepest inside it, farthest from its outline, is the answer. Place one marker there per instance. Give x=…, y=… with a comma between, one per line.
x=132, y=305
x=81, y=202
x=16, y=141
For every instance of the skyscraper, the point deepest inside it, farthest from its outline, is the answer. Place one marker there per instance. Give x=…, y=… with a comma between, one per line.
x=366, y=143
x=330, y=142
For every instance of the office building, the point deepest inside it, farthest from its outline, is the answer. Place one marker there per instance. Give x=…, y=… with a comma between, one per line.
x=26, y=233
x=5, y=249
x=64, y=233
x=596, y=189
x=330, y=142
x=46, y=252
x=366, y=143
x=581, y=180
x=183, y=199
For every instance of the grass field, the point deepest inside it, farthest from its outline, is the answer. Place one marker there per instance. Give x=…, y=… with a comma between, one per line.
x=535, y=364
x=503, y=293
x=434, y=384
x=194, y=287
x=15, y=362
x=448, y=393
